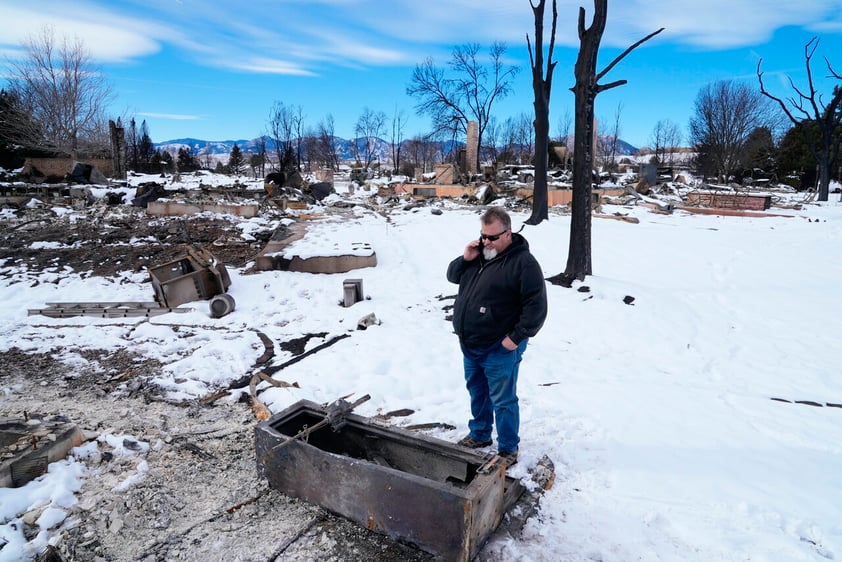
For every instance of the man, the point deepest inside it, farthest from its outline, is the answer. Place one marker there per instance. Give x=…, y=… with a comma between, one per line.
x=502, y=302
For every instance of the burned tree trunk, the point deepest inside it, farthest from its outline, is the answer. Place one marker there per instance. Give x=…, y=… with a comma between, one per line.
x=118, y=150
x=586, y=89
x=541, y=87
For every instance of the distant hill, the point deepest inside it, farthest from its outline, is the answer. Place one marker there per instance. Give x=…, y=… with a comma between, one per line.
x=623, y=148
x=219, y=150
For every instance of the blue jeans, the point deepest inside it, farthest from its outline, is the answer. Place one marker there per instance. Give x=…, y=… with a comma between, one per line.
x=491, y=379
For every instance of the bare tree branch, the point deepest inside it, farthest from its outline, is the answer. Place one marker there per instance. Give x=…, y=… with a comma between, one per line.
x=368, y=128
x=626, y=52
x=603, y=87
x=63, y=97
x=815, y=114
x=470, y=92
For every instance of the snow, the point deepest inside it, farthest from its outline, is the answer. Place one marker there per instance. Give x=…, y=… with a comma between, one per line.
x=659, y=414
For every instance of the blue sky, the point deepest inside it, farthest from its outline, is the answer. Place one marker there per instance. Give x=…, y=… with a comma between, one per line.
x=212, y=70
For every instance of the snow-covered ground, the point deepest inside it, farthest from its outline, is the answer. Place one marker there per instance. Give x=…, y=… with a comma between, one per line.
x=672, y=421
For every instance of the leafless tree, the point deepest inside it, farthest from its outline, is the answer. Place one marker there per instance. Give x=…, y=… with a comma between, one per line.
x=368, y=129
x=209, y=161
x=282, y=126
x=542, y=81
x=325, y=149
x=666, y=137
x=607, y=143
x=517, y=135
x=258, y=160
x=298, y=133
x=398, y=124
x=308, y=143
x=424, y=152
x=525, y=138
x=415, y=155
x=563, y=126
x=565, y=122
x=312, y=155
x=725, y=113
x=491, y=140
x=468, y=95
x=586, y=89
x=808, y=105
x=614, y=135
x=62, y=96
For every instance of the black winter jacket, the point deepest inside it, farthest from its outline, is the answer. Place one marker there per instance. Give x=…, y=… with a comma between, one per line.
x=505, y=296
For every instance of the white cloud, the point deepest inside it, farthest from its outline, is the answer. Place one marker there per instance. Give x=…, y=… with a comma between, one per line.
x=264, y=65
x=106, y=41
x=718, y=24
x=290, y=36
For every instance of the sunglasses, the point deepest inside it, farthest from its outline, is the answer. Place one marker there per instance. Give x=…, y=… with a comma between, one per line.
x=492, y=237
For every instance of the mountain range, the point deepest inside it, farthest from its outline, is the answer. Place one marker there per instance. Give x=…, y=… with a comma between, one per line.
x=220, y=150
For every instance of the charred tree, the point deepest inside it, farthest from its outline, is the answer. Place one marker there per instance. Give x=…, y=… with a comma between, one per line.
x=586, y=89
x=828, y=118
x=541, y=87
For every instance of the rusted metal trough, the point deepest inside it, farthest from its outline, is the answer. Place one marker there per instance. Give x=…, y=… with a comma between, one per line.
x=195, y=276
x=415, y=489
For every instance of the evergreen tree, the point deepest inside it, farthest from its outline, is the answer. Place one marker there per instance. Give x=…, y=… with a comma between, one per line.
x=236, y=161
x=705, y=164
x=796, y=164
x=759, y=152
x=161, y=161
x=186, y=160
x=11, y=156
x=146, y=150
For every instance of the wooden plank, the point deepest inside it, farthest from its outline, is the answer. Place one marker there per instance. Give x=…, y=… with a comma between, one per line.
x=624, y=218
x=729, y=212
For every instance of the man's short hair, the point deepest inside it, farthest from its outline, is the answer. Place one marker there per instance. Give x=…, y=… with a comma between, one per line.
x=497, y=214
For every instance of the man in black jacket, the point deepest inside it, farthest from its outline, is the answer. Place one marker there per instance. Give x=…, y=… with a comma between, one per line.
x=502, y=302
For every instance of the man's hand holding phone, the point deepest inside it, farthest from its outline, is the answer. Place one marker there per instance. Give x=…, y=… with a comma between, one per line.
x=472, y=250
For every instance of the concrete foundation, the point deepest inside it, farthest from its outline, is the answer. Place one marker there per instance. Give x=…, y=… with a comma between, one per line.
x=719, y=200
x=565, y=196
x=170, y=208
